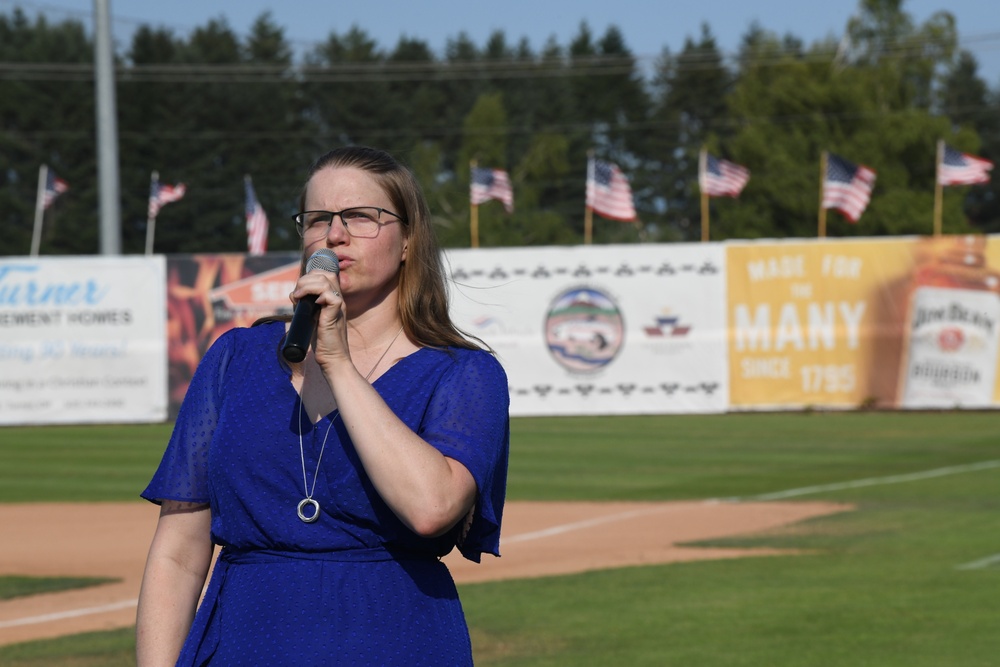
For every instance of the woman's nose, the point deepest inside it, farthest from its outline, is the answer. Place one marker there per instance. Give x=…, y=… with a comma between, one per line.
x=337, y=233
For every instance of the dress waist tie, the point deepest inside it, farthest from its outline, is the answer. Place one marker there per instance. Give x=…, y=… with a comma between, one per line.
x=203, y=639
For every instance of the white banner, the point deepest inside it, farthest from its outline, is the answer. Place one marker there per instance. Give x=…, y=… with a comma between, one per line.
x=82, y=340
x=591, y=330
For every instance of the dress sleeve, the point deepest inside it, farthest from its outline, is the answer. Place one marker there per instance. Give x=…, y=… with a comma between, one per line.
x=468, y=419
x=183, y=471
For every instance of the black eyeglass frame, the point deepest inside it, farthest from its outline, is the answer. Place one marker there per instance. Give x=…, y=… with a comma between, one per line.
x=300, y=227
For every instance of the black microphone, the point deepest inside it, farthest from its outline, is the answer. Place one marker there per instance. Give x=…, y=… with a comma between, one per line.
x=300, y=332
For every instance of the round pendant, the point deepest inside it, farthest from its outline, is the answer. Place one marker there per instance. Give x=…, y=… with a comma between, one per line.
x=308, y=502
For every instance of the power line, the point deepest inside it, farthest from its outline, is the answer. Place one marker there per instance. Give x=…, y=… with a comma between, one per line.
x=446, y=69
x=446, y=129
x=423, y=72
x=336, y=73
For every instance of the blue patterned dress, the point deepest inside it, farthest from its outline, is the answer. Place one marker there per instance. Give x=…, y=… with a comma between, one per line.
x=357, y=587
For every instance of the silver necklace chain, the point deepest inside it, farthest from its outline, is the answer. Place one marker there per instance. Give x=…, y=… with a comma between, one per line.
x=309, y=501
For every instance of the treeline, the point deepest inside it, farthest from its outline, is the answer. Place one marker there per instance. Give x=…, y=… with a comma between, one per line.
x=206, y=108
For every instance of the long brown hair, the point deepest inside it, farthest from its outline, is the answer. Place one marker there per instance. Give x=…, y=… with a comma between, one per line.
x=423, y=294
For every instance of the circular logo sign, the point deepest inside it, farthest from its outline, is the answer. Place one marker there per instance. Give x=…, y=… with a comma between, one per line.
x=584, y=330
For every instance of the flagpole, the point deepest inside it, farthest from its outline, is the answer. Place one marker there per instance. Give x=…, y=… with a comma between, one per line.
x=473, y=211
x=247, y=183
x=822, y=182
x=36, y=235
x=151, y=219
x=588, y=216
x=640, y=230
x=474, y=225
x=702, y=158
x=937, y=188
x=704, y=218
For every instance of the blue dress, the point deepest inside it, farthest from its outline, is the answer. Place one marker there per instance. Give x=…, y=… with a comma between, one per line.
x=357, y=587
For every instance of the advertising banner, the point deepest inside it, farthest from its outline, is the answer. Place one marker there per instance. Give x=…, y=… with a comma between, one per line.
x=907, y=322
x=949, y=336
x=82, y=340
x=991, y=254
x=210, y=294
x=902, y=322
x=627, y=329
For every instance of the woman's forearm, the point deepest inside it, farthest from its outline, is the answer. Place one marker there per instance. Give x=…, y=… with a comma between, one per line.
x=178, y=562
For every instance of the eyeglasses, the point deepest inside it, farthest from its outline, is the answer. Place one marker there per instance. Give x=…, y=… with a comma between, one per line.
x=359, y=221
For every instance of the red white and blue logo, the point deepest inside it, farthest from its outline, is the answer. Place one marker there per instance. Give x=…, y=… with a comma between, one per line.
x=667, y=326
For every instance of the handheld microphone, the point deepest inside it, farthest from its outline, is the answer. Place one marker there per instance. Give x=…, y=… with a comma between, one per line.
x=300, y=332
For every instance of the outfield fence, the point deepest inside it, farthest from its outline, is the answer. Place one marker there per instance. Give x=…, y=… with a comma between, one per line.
x=900, y=322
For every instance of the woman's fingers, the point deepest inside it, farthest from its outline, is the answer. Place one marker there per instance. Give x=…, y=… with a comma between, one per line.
x=320, y=284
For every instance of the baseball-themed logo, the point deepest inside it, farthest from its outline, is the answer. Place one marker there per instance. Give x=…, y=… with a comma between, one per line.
x=584, y=330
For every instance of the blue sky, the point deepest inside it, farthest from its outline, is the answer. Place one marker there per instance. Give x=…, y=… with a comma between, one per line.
x=648, y=25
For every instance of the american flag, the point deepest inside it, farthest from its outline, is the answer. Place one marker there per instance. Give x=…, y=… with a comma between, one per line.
x=608, y=191
x=163, y=194
x=487, y=184
x=721, y=178
x=256, y=222
x=54, y=186
x=847, y=187
x=959, y=168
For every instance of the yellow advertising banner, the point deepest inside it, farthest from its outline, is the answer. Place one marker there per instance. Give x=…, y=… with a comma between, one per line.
x=908, y=322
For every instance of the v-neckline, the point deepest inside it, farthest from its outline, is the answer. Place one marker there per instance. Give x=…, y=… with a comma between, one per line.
x=287, y=371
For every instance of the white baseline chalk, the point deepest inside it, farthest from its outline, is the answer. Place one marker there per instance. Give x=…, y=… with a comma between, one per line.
x=72, y=613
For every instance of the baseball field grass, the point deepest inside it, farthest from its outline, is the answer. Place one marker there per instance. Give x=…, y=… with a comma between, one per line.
x=911, y=577
x=12, y=586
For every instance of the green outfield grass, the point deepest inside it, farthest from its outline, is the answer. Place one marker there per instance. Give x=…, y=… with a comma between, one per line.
x=16, y=587
x=78, y=463
x=883, y=585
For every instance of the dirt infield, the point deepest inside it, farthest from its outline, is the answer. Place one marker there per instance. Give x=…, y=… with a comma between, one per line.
x=540, y=539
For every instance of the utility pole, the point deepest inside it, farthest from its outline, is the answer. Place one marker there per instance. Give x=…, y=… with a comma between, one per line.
x=107, y=130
